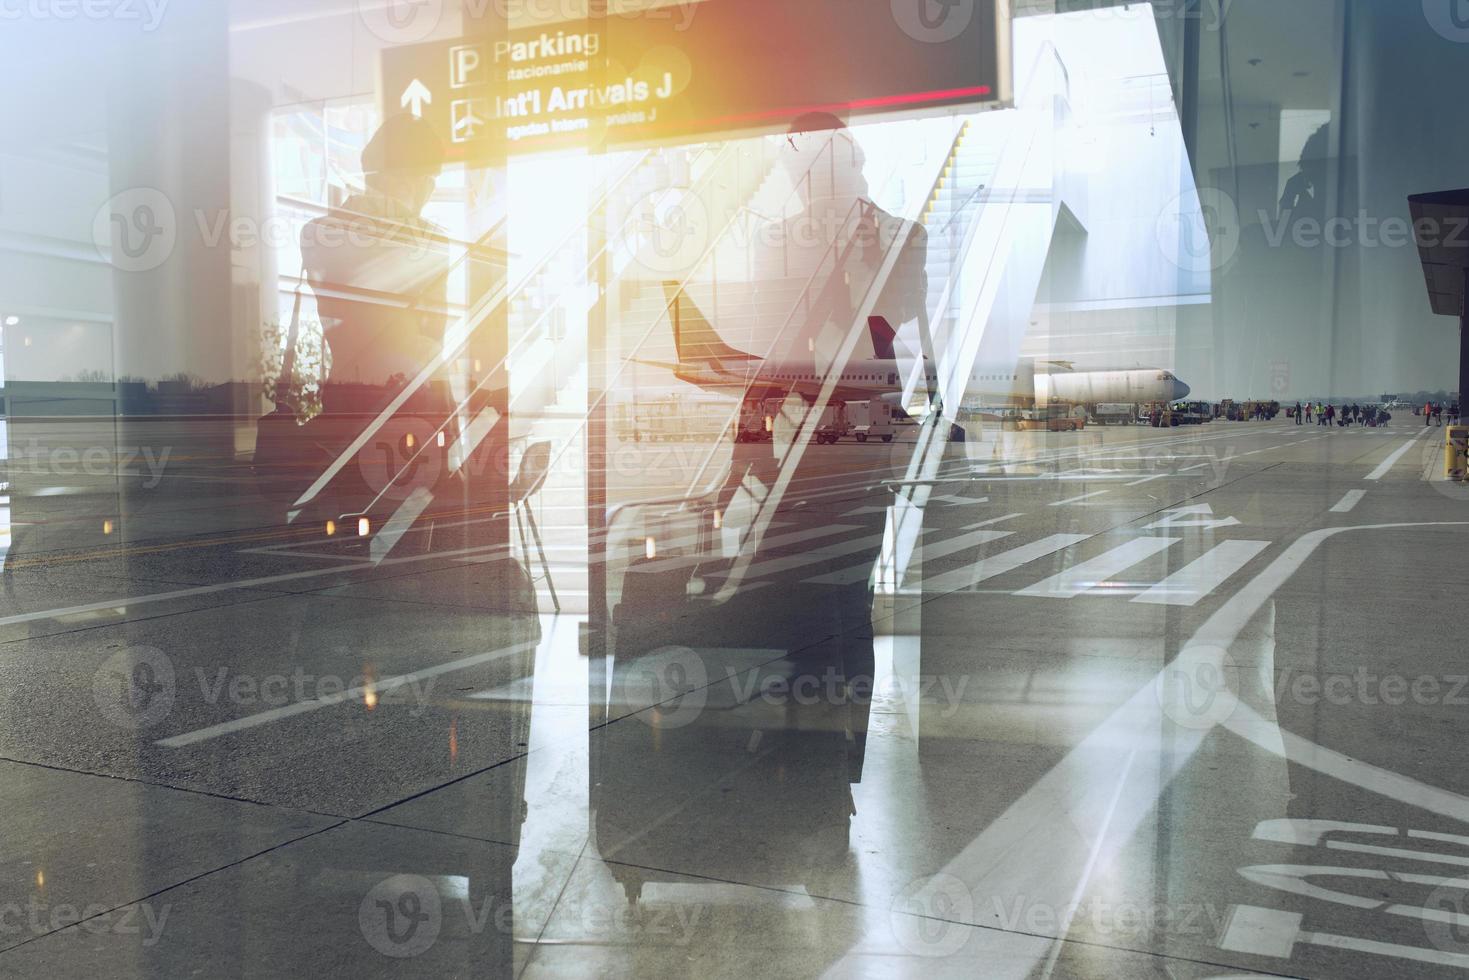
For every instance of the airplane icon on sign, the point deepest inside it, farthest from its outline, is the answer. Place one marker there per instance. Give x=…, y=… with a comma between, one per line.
x=464, y=120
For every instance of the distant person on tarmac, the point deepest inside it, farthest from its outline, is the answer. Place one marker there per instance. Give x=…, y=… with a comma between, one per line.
x=1427, y=414
x=1438, y=414
x=1298, y=414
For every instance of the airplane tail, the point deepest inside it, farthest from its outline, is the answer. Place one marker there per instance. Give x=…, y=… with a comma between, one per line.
x=693, y=335
x=883, y=336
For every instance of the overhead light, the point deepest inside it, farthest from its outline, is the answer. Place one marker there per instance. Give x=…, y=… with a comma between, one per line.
x=12, y=321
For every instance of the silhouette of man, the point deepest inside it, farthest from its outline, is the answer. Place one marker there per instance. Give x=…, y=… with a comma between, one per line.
x=377, y=266
x=844, y=240
x=1305, y=192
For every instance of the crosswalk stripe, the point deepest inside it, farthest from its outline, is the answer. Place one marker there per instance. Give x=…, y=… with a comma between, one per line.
x=1197, y=579
x=679, y=562
x=941, y=549
x=1349, y=501
x=399, y=524
x=1077, y=500
x=1006, y=561
x=1089, y=574
x=774, y=566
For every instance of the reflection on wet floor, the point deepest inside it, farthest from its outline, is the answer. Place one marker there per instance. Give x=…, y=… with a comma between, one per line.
x=422, y=767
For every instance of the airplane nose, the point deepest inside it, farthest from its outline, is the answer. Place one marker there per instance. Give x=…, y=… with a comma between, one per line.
x=1180, y=391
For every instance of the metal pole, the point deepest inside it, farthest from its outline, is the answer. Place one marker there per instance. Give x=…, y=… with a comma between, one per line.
x=598, y=615
x=1464, y=352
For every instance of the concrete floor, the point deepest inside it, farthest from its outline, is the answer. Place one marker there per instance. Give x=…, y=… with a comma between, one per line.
x=1176, y=703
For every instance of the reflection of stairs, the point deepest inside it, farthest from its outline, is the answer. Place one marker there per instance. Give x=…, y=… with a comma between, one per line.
x=560, y=507
x=956, y=201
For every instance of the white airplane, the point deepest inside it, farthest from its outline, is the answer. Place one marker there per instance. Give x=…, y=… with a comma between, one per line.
x=704, y=359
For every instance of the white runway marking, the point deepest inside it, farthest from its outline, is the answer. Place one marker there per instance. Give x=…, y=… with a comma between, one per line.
x=385, y=686
x=856, y=573
x=1091, y=574
x=126, y=602
x=1148, y=479
x=1006, y=561
x=1272, y=932
x=400, y=523
x=1351, y=500
x=1197, y=579
x=1042, y=842
x=774, y=566
x=1391, y=461
x=1077, y=500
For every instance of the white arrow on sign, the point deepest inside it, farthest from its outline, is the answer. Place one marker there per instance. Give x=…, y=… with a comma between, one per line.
x=416, y=93
x=1201, y=515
